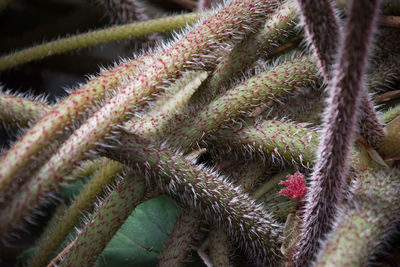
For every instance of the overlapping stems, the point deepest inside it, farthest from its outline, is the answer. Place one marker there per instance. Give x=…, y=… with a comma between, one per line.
x=345, y=87
x=141, y=141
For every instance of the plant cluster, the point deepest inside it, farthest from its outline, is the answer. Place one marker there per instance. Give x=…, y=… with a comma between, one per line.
x=256, y=118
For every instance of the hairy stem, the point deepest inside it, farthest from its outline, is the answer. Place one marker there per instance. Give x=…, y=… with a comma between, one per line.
x=366, y=222
x=105, y=222
x=217, y=199
x=97, y=37
x=48, y=243
x=179, y=241
x=330, y=170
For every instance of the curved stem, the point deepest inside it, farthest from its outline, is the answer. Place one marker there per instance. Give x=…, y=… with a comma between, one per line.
x=49, y=242
x=346, y=90
x=97, y=37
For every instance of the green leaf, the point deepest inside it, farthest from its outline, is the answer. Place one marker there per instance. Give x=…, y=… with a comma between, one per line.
x=142, y=237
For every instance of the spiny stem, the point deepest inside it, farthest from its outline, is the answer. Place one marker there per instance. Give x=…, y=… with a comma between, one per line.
x=261, y=88
x=322, y=27
x=219, y=247
x=57, y=124
x=330, y=170
x=19, y=111
x=366, y=221
x=247, y=176
x=391, y=114
x=105, y=222
x=237, y=16
x=276, y=30
x=97, y=37
x=200, y=188
x=169, y=106
x=391, y=145
x=180, y=239
x=48, y=243
x=281, y=141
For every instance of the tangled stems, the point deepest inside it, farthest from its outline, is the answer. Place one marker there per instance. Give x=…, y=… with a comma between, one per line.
x=263, y=87
x=98, y=37
x=56, y=124
x=330, y=170
x=52, y=240
x=202, y=189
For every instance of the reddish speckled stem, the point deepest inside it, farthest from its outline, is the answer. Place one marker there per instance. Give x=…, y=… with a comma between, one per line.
x=235, y=18
x=202, y=189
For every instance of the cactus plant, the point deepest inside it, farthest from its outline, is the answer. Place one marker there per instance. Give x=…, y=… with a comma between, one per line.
x=215, y=115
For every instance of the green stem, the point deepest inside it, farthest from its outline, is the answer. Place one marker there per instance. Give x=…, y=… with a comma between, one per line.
x=391, y=114
x=366, y=222
x=56, y=125
x=105, y=222
x=180, y=239
x=219, y=247
x=275, y=32
x=19, y=111
x=202, y=189
x=237, y=16
x=280, y=140
x=49, y=242
x=97, y=37
x=236, y=101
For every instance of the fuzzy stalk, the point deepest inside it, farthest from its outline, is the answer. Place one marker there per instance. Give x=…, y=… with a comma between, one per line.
x=275, y=32
x=322, y=28
x=282, y=141
x=179, y=241
x=56, y=124
x=219, y=247
x=106, y=221
x=19, y=111
x=168, y=107
x=235, y=17
x=49, y=243
x=97, y=37
x=242, y=98
x=330, y=170
x=219, y=243
x=203, y=190
x=363, y=225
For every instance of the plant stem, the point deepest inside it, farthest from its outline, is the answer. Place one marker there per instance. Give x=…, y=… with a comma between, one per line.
x=50, y=242
x=330, y=170
x=97, y=37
